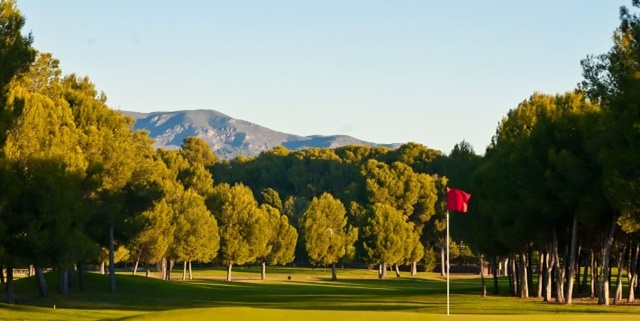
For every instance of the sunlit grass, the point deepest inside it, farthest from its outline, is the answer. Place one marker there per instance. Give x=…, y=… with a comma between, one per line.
x=246, y=273
x=309, y=295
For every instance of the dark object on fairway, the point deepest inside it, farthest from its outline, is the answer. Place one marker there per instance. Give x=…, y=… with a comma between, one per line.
x=289, y=277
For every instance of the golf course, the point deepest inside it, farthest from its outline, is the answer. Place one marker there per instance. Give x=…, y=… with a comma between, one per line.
x=307, y=295
x=149, y=205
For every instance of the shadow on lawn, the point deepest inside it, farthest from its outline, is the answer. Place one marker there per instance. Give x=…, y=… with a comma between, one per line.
x=148, y=294
x=136, y=293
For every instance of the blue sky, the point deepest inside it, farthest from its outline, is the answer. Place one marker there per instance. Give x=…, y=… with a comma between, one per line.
x=433, y=72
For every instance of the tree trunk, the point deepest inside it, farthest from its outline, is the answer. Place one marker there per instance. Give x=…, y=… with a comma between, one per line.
x=11, y=298
x=550, y=264
x=610, y=273
x=63, y=282
x=229, y=265
x=594, y=276
x=510, y=276
x=514, y=272
x=334, y=276
x=618, y=296
x=484, y=284
x=71, y=279
x=190, y=271
x=112, y=264
x=530, y=271
x=632, y=270
x=383, y=270
x=170, y=269
x=585, y=274
x=414, y=268
x=603, y=298
x=496, y=289
x=80, y=276
x=42, y=282
x=396, y=267
x=135, y=265
x=166, y=269
x=162, y=264
x=443, y=261
x=578, y=280
x=541, y=271
x=572, y=257
x=184, y=270
x=558, y=269
x=524, y=286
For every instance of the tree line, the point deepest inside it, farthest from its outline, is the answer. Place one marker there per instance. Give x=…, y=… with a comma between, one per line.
x=554, y=195
x=78, y=187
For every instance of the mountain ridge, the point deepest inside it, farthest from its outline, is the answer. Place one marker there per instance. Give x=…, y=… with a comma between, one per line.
x=229, y=137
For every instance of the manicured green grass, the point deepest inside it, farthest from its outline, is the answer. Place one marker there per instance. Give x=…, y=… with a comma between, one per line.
x=244, y=273
x=357, y=295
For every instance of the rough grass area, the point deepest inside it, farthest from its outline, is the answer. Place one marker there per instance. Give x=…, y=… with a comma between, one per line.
x=309, y=295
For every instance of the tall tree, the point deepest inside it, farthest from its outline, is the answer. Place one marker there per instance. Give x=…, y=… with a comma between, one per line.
x=327, y=235
x=385, y=237
x=196, y=234
x=46, y=172
x=282, y=239
x=611, y=79
x=16, y=56
x=152, y=243
x=111, y=150
x=412, y=195
x=243, y=229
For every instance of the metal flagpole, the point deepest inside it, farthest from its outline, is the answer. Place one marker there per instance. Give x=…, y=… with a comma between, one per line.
x=447, y=267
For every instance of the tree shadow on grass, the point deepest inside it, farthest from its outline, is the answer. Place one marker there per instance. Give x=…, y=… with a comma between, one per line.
x=136, y=293
x=147, y=294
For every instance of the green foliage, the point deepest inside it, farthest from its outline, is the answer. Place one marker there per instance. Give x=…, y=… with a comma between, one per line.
x=196, y=235
x=419, y=157
x=283, y=237
x=270, y=196
x=121, y=254
x=43, y=184
x=153, y=241
x=196, y=151
x=327, y=235
x=388, y=238
x=16, y=53
x=384, y=235
x=612, y=80
x=413, y=195
x=190, y=174
x=430, y=259
x=244, y=232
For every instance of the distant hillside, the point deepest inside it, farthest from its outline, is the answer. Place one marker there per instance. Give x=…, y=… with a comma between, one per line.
x=227, y=136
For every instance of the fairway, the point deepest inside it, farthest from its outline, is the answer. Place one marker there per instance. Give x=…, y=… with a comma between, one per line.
x=309, y=295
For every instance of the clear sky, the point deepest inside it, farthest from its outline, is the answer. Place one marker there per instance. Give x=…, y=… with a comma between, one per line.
x=433, y=72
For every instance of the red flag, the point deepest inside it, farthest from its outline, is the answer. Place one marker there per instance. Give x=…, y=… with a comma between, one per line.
x=457, y=200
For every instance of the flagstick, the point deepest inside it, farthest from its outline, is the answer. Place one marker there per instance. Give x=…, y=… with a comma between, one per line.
x=447, y=245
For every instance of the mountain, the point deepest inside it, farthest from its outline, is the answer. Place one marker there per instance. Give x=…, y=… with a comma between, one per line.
x=227, y=136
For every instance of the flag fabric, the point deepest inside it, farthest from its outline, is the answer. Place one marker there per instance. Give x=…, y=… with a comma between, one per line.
x=457, y=200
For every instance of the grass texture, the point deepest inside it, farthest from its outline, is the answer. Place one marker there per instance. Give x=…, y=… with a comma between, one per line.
x=308, y=295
